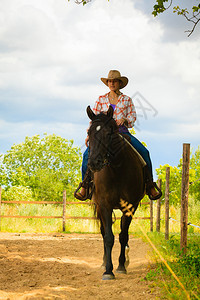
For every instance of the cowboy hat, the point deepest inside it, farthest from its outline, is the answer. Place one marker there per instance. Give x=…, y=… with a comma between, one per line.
x=114, y=74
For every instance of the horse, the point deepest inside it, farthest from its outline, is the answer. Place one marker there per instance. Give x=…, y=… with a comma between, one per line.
x=118, y=176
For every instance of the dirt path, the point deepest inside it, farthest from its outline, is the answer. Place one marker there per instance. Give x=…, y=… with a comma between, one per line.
x=67, y=266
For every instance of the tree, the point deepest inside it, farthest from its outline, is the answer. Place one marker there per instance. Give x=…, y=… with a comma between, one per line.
x=195, y=174
x=191, y=14
x=176, y=178
x=82, y=1
x=175, y=182
x=17, y=193
x=46, y=165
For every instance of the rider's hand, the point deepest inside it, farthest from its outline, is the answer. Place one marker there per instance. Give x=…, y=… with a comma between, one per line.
x=121, y=122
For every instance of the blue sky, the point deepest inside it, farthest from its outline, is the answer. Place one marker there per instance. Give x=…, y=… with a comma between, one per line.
x=53, y=53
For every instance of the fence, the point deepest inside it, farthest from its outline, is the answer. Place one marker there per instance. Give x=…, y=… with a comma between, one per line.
x=35, y=202
x=184, y=204
x=64, y=216
x=184, y=201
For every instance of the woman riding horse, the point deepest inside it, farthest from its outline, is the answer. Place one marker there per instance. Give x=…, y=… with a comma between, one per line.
x=125, y=117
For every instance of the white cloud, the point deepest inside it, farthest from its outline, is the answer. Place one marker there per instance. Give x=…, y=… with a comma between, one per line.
x=53, y=53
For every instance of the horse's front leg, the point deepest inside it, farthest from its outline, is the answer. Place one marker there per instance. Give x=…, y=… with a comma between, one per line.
x=104, y=254
x=123, y=239
x=108, y=245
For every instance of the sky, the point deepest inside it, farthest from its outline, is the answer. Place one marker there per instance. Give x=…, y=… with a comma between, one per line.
x=54, y=52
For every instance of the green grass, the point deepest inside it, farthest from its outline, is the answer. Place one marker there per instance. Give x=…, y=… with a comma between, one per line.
x=55, y=225
x=31, y=225
x=84, y=226
x=187, y=267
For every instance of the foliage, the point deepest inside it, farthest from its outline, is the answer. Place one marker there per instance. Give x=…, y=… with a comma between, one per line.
x=17, y=193
x=186, y=267
x=191, y=261
x=175, y=182
x=191, y=14
x=82, y=1
x=176, y=178
x=195, y=174
x=46, y=165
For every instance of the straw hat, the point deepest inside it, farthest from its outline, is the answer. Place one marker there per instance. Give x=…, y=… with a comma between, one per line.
x=114, y=74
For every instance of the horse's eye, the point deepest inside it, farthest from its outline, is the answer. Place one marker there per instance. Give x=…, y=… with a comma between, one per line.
x=98, y=128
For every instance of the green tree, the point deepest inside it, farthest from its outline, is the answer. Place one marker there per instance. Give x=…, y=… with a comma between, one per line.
x=195, y=174
x=175, y=182
x=46, y=165
x=191, y=14
x=17, y=193
x=176, y=178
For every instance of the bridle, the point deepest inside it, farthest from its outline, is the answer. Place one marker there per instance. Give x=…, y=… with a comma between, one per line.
x=109, y=153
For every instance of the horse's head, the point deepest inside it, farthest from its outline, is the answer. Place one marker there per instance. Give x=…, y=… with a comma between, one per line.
x=100, y=138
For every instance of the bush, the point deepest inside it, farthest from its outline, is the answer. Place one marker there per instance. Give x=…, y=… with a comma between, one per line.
x=17, y=193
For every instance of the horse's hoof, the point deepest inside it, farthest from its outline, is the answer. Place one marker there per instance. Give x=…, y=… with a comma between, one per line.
x=108, y=277
x=121, y=270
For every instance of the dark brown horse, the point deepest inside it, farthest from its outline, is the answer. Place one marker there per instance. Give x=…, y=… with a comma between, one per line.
x=118, y=175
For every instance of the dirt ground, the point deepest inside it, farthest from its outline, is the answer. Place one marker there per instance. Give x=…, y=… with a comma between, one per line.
x=68, y=266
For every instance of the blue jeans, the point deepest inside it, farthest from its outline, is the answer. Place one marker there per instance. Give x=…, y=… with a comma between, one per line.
x=135, y=143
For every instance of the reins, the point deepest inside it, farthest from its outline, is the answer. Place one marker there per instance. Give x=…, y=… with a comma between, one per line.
x=113, y=147
x=109, y=154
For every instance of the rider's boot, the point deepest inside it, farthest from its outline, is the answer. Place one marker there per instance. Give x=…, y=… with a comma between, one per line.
x=85, y=186
x=152, y=190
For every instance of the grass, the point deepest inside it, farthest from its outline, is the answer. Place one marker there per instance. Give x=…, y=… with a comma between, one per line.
x=186, y=267
x=31, y=225
x=84, y=226
x=55, y=225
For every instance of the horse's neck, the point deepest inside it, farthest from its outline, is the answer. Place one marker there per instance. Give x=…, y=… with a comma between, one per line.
x=122, y=149
x=117, y=148
x=132, y=149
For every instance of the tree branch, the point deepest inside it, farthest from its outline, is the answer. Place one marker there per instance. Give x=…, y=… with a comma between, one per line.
x=191, y=19
x=82, y=1
x=195, y=24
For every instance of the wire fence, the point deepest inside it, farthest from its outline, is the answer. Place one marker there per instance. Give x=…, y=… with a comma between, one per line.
x=187, y=223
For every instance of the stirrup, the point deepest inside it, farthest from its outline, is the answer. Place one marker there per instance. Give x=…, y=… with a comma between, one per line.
x=83, y=198
x=159, y=192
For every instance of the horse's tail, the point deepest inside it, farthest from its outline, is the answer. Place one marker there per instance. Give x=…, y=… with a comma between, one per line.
x=95, y=210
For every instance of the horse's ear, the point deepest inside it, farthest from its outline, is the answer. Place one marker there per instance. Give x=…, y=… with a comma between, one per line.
x=110, y=112
x=90, y=113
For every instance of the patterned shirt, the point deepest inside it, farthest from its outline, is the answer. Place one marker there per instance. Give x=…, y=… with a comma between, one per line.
x=123, y=109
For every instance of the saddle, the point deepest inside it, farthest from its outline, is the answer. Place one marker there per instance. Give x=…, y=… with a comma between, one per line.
x=149, y=183
x=88, y=183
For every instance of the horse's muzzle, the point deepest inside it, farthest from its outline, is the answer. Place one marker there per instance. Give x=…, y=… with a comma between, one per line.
x=97, y=163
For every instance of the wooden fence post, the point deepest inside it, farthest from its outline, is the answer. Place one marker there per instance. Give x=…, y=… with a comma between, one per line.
x=158, y=208
x=184, y=196
x=167, y=203
x=0, y=208
x=151, y=215
x=64, y=209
